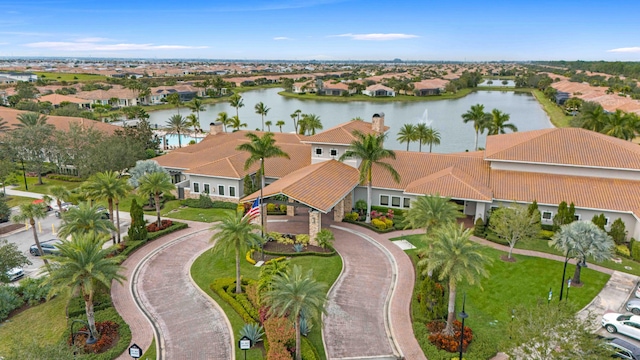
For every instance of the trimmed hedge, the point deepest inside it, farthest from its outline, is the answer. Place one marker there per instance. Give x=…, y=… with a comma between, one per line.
x=308, y=351
x=173, y=228
x=296, y=254
x=65, y=178
x=100, y=302
x=370, y=227
x=200, y=204
x=220, y=287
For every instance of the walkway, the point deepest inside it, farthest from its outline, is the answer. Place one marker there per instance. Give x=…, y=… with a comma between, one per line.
x=180, y=315
x=28, y=194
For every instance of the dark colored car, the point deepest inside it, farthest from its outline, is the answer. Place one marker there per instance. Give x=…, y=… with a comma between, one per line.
x=624, y=349
x=48, y=247
x=105, y=213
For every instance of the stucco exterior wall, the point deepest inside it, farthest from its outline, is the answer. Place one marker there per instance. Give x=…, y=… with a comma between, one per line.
x=214, y=190
x=567, y=170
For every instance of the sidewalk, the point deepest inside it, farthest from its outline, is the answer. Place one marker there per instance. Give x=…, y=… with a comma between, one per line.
x=10, y=191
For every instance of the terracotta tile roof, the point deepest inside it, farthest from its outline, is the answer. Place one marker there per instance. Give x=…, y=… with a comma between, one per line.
x=56, y=99
x=431, y=84
x=413, y=166
x=62, y=123
x=115, y=92
x=320, y=185
x=341, y=134
x=375, y=87
x=335, y=86
x=584, y=192
x=451, y=182
x=570, y=146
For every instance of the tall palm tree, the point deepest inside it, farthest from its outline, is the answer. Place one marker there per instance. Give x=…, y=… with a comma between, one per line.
x=280, y=124
x=431, y=137
x=155, y=184
x=429, y=212
x=34, y=127
x=235, y=101
x=224, y=119
x=262, y=110
x=174, y=99
x=108, y=186
x=296, y=119
x=594, y=119
x=192, y=122
x=370, y=150
x=235, y=123
x=260, y=149
x=456, y=258
x=31, y=119
x=498, y=123
x=617, y=124
x=82, y=264
x=196, y=105
x=581, y=240
x=294, y=294
x=59, y=193
x=421, y=133
x=84, y=219
x=177, y=125
x=407, y=134
x=269, y=123
x=479, y=118
x=235, y=233
x=30, y=212
x=309, y=124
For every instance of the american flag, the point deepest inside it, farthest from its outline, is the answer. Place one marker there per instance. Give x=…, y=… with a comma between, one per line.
x=254, y=212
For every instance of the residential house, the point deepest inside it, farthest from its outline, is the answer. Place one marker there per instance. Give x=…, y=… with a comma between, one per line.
x=430, y=87
x=332, y=89
x=187, y=93
x=377, y=90
x=57, y=99
x=126, y=97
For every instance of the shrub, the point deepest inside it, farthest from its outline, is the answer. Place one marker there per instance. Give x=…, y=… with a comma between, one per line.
x=65, y=178
x=76, y=309
x=204, y=202
x=635, y=251
x=278, y=351
x=249, y=257
x=137, y=231
x=253, y=331
x=546, y=234
x=164, y=224
x=325, y=238
x=450, y=343
x=308, y=351
x=623, y=250
x=618, y=231
x=379, y=224
x=298, y=248
x=283, y=208
x=253, y=294
x=478, y=230
x=9, y=301
x=33, y=291
x=361, y=206
x=388, y=222
x=173, y=228
x=271, y=207
x=279, y=330
x=431, y=298
x=353, y=216
x=108, y=331
x=303, y=239
x=220, y=287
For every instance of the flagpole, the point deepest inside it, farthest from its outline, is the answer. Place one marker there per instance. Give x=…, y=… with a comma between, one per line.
x=263, y=220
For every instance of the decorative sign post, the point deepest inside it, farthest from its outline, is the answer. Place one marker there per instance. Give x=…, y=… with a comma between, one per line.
x=550, y=296
x=244, y=344
x=568, y=288
x=135, y=351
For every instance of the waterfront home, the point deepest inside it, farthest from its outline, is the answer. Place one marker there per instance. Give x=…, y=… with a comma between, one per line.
x=429, y=87
x=377, y=90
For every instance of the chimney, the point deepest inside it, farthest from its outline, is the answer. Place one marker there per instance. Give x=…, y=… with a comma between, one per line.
x=215, y=128
x=377, y=123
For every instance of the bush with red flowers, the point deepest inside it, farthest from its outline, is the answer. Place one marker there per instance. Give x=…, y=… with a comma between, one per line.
x=450, y=343
x=108, y=331
x=153, y=227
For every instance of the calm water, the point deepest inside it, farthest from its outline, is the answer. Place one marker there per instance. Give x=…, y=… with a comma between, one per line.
x=444, y=115
x=498, y=83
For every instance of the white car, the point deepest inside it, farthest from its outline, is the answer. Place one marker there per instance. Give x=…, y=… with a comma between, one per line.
x=15, y=273
x=624, y=324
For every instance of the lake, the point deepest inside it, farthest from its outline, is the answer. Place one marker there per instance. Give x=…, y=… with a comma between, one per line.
x=444, y=115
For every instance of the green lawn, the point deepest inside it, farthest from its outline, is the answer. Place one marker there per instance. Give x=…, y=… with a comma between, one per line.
x=173, y=209
x=32, y=182
x=209, y=267
x=556, y=114
x=18, y=200
x=150, y=354
x=70, y=77
x=459, y=94
x=525, y=281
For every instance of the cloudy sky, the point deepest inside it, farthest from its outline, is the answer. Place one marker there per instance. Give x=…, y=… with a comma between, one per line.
x=471, y=30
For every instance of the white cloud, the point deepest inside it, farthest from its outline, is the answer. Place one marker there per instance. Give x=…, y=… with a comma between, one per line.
x=92, y=40
x=378, y=37
x=635, y=49
x=281, y=38
x=94, y=45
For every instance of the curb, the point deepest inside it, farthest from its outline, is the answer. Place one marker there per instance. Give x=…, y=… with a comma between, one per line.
x=324, y=342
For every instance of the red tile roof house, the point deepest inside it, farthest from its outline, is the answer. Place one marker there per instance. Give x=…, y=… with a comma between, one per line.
x=598, y=173
x=429, y=87
x=377, y=90
x=332, y=89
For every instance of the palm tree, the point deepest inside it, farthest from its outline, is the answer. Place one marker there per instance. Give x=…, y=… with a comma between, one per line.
x=108, y=186
x=236, y=101
x=479, y=118
x=421, y=131
x=177, y=125
x=59, y=193
x=309, y=124
x=594, y=119
x=83, y=265
x=498, y=123
x=155, y=184
x=432, y=211
x=431, y=137
x=280, y=124
x=196, y=105
x=260, y=149
x=370, y=150
x=617, y=124
x=31, y=212
x=268, y=123
x=581, y=240
x=456, y=258
x=294, y=294
x=84, y=219
x=4, y=127
x=192, y=121
x=235, y=123
x=31, y=119
x=224, y=119
x=296, y=119
x=174, y=99
x=262, y=109
x=235, y=232
x=407, y=134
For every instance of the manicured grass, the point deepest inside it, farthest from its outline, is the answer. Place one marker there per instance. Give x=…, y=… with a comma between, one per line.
x=46, y=322
x=70, y=77
x=150, y=354
x=526, y=281
x=556, y=114
x=360, y=97
x=32, y=182
x=210, y=266
x=18, y=200
x=172, y=209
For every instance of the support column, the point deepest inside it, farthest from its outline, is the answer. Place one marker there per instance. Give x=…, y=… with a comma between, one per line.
x=291, y=210
x=315, y=223
x=480, y=211
x=348, y=202
x=338, y=211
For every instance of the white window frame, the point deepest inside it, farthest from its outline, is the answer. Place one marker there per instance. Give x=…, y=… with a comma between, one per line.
x=399, y=201
x=577, y=217
x=388, y=200
x=196, y=185
x=204, y=188
x=315, y=152
x=234, y=191
x=332, y=150
x=221, y=187
x=547, y=212
x=403, y=203
x=607, y=221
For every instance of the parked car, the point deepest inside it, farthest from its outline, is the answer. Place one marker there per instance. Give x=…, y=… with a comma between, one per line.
x=623, y=349
x=637, y=292
x=105, y=213
x=48, y=247
x=40, y=201
x=624, y=324
x=65, y=207
x=633, y=306
x=15, y=273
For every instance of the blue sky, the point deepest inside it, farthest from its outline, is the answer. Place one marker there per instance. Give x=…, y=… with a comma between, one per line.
x=323, y=29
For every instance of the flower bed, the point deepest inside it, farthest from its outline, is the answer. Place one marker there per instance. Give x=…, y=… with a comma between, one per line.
x=278, y=249
x=153, y=227
x=108, y=331
x=450, y=343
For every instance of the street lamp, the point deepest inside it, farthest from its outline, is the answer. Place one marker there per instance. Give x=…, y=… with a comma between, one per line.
x=568, y=288
x=463, y=315
x=24, y=175
x=90, y=341
x=564, y=272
